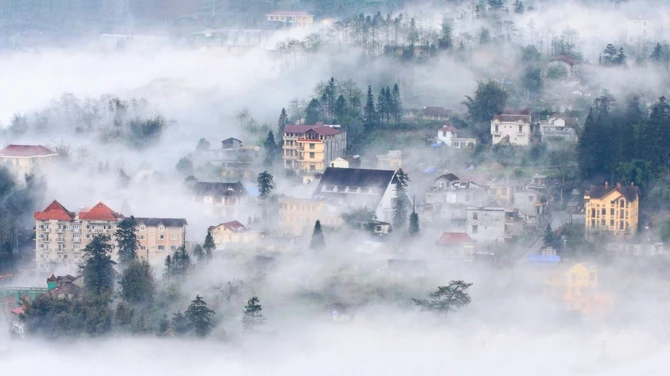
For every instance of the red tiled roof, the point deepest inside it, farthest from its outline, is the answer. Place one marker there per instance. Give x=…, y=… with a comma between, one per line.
x=322, y=130
x=52, y=278
x=25, y=151
x=454, y=238
x=18, y=310
x=449, y=128
x=100, y=212
x=508, y=118
x=233, y=226
x=55, y=211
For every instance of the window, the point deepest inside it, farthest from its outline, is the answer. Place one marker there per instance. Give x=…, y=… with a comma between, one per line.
x=141, y=237
x=173, y=237
x=161, y=228
x=311, y=155
x=603, y=211
x=161, y=236
x=76, y=247
x=76, y=236
x=612, y=211
x=474, y=229
x=496, y=128
x=520, y=128
x=161, y=247
x=474, y=216
x=76, y=227
x=311, y=146
x=88, y=236
x=143, y=227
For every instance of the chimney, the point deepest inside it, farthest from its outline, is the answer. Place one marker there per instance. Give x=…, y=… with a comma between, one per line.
x=618, y=185
x=606, y=185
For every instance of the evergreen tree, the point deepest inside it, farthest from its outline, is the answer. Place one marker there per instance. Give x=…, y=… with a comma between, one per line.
x=180, y=324
x=252, y=314
x=270, y=148
x=265, y=185
x=137, y=282
x=382, y=106
x=199, y=317
x=281, y=125
x=181, y=262
x=446, y=299
x=518, y=7
x=340, y=109
x=127, y=240
x=620, y=57
x=445, y=42
x=489, y=100
x=163, y=326
x=313, y=112
x=198, y=252
x=401, y=202
x=397, y=104
x=203, y=144
x=609, y=55
x=369, y=113
x=167, y=272
x=548, y=239
x=413, y=223
x=98, y=269
x=209, y=245
x=318, y=241
x=657, y=55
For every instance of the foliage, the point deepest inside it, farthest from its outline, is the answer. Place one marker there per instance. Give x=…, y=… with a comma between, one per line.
x=360, y=218
x=318, y=241
x=265, y=185
x=52, y=317
x=203, y=144
x=127, y=240
x=185, y=166
x=179, y=264
x=209, y=246
x=199, y=317
x=137, y=282
x=272, y=151
x=369, y=112
x=549, y=239
x=557, y=72
x=401, y=201
x=252, y=314
x=489, y=100
x=313, y=112
x=198, y=252
x=413, y=224
x=180, y=324
x=98, y=269
x=532, y=80
x=281, y=125
x=446, y=299
x=665, y=230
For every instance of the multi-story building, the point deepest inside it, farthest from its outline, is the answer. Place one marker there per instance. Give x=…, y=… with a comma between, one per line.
x=486, y=224
x=577, y=287
x=297, y=216
x=612, y=209
x=557, y=129
x=511, y=129
x=390, y=161
x=25, y=160
x=299, y=18
x=160, y=237
x=311, y=148
x=233, y=233
x=226, y=200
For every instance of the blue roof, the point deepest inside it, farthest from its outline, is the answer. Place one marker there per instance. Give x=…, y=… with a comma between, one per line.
x=541, y=259
x=436, y=145
x=251, y=188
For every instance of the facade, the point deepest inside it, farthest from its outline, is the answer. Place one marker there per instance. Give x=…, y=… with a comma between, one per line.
x=556, y=129
x=624, y=249
x=160, y=237
x=449, y=136
x=24, y=160
x=348, y=161
x=435, y=113
x=390, y=161
x=511, y=129
x=486, y=224
x=61, y=235
x=577, y=287
x=297, y=216
x=457, y=245
x=299, y=18
x=233, y=233
x=311, y=148
x=222, y=199
x=232, y=155
x=612, y=209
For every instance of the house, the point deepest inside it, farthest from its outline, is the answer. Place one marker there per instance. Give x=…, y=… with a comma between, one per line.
x=625, y=249
x=159, y=237
x=390, y=161
x=65, y=286
x=511, y=129
x=450, y=195
x=231, y=143
x=348, y=161
x=311, y=148
x=354, y=188
x=222, y=199
x=531, y=204
x=233, y=233
x=435, y=113
x=298, y=216
x=557, y=129
x=299, y=18
x=612, y=209
x=449, y=136
x=457, y=245
x=486, y=224
x=232, y=155
x=24, y=160
x=577, y=287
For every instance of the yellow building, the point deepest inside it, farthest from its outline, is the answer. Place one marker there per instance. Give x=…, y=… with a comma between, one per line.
x=299, y=18
x=311, y=148
x=233, y=233
x=577, y=287
x=299, y=215
x=613, y=210
x=390, y=161
x=24, y=160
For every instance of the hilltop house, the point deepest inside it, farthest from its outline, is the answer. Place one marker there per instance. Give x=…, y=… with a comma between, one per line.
x=450, y=194
x=511, y=129
x=24, y=160
x=311, y=148
x=233, y=233
x=391, y=160
x=449, y=136
x=159, y=237
x=612, y=209
x=435, y=113
x=557, y=129
x=298, y=18
x=348, y=161
x=232, y=155
x=222, y=199
x=486, y=224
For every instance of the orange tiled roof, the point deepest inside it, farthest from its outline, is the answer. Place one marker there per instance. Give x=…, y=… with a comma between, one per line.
x=100, y=212
x=55, y=211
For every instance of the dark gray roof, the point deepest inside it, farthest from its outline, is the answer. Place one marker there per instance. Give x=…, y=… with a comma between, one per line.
x=219, y=189
x=167, y=222
x=631, y=193
x=355, y=178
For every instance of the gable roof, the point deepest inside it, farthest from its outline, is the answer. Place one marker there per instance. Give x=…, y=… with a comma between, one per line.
x=320, y=129
x=631, y=193
x=100, y=212
x=449, y=128
x=26, y=151
x=55, y=211
x=449, y=177
x=234, y=226
x=167, y=222
x=354, y=177
x=219, y=189
x=454, y=238
x=512, y=118
x=231, y=139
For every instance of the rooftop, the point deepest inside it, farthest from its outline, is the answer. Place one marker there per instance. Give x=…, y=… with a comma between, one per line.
x=167, y=222
x=234, y=226
x=100, y=212
x=630, y=192
x=355, y=177
x=55, y=211
x=26, y=151
x=320, y=129
x=512, y=118
x=290, y=13
x=219, y=189
x=454, y=238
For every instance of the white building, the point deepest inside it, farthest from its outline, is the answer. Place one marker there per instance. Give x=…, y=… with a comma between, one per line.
x=449, y=136
x=24, y=160
x=511, y=129
x=486, y=224
x=556, y=129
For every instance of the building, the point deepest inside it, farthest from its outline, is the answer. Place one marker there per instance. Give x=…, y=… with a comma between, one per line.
x=511, y=129
x=298, y=18
x=159, y=237
x=457, y=245
x=231, y=156
x=24, y=160
x=353, y=188
x=233, y=233
x=486, y=224
x=577, y=287
x=449, y=136
x=639, y=30
x=298, y=216
x=311, y=148
x=222, y=199
x=435, y=113
x=390, y=161
x=612, y=209
x=348, y=161
x=556, y=129
x=624, y=249
x=450, y=195
x=61, y=235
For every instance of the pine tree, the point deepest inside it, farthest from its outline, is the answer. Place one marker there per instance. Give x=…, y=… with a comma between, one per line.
x=400, y=203
x=98, y=269
x=382, y=106
x=181, y=262
x=340, y=109
x=252, y=314
x=447, y=298
x=413, y=224
x=209, y=245
x=163, y=326
x=265, y=185
x=318, y=241
x=270, y=148
x=198, y=253
x=127, y=240
x=445, y=42
x=548, y=237
x=199, y=317
x=180, y=324
x=167, y=272
x=313, y=112
x=657, y=55
x=620, y=57
x=137, y=282
x=369, y=113
x=397, y=104
x=518, y=7
x=281, y=125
